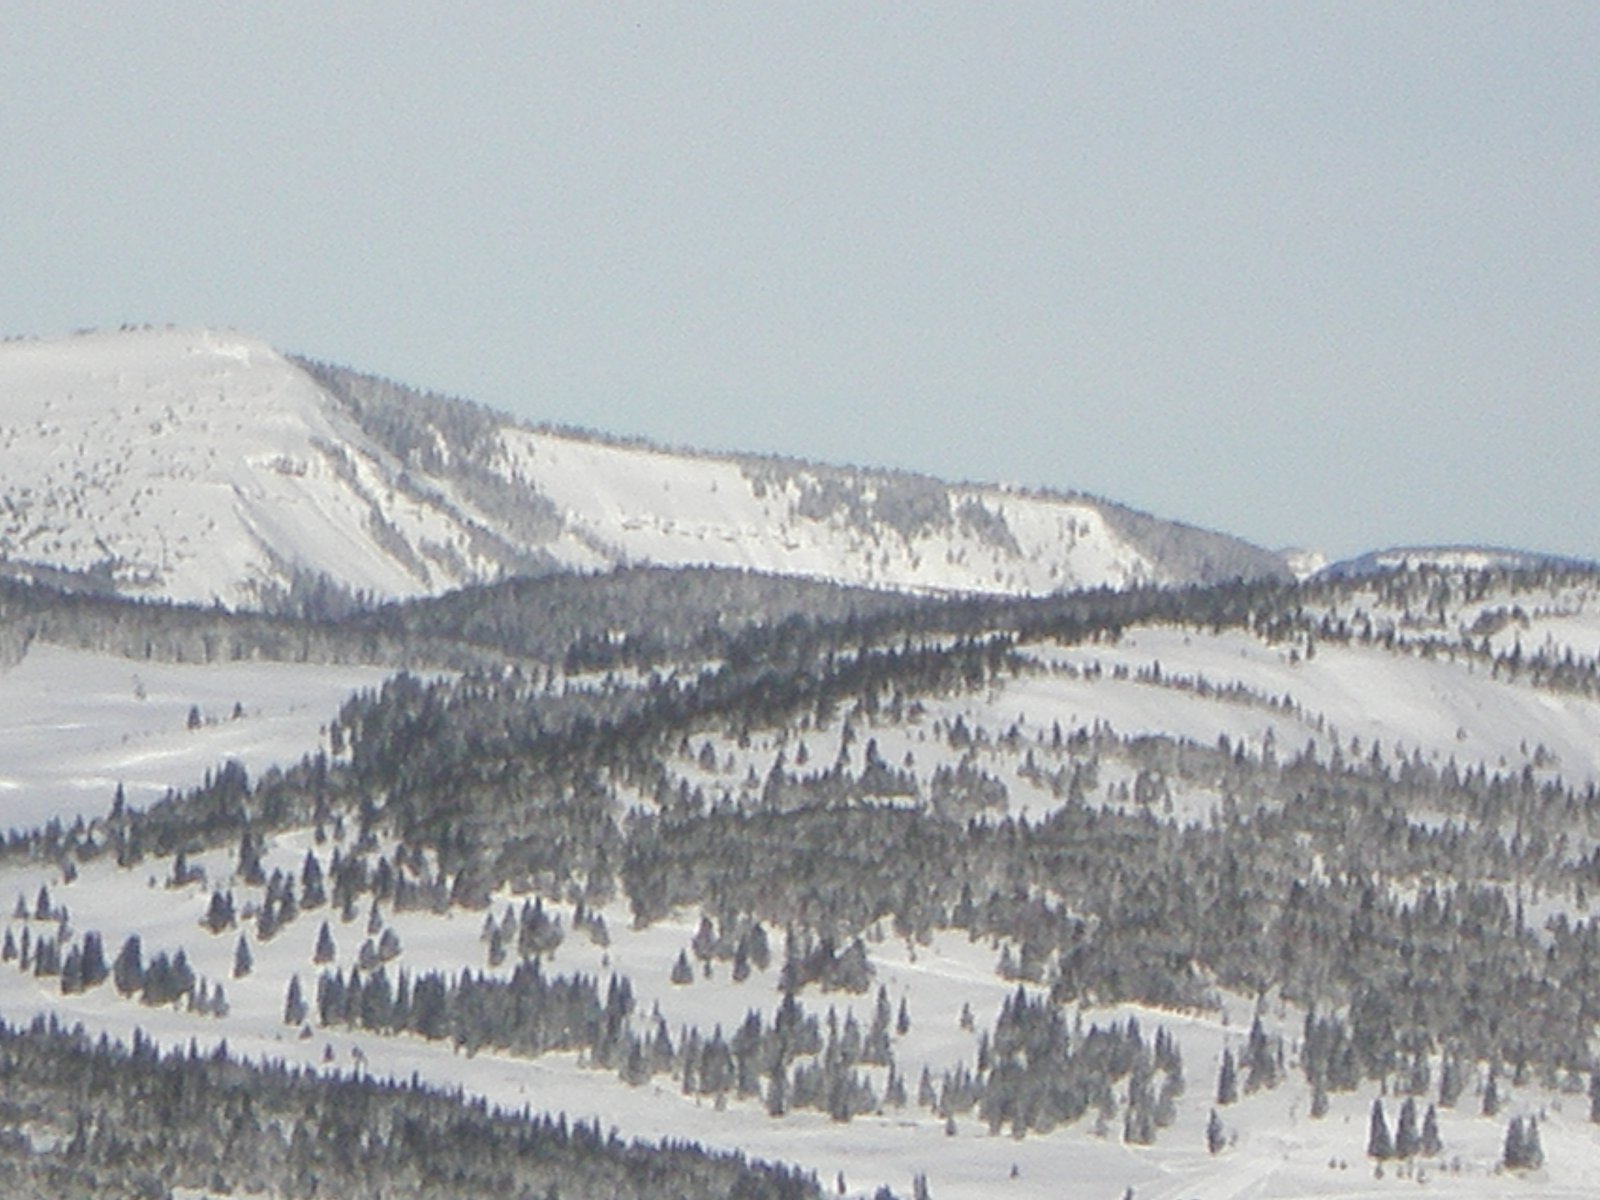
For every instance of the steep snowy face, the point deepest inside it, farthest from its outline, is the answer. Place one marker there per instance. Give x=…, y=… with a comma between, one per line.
x=199, y=467
x=207, y=467
x=585, y=501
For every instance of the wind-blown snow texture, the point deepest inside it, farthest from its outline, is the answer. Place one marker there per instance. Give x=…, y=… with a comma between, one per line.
x=204, y=467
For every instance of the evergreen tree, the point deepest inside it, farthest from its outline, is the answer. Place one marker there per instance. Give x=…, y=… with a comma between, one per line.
x=72, y=972
x=1406, y=1140
x=1379, y=1143
x=127, y=973
x=1532, y=1148
x=1491, y=1096
x=242, y=960
x=704, y=942
x=167, y=979
x=1319, y=1100
x=1227, y=1080
x=1215, y=1138
x=1450, y=1081
x=267, y=918
x=94, y=960
x=313, y=891
x=250, y=869
x=760, y=949
x=325, y=951
x=682, y=972
x=876, y=1048
x=1432, y=1145
x=1515, y=1147
x=220, y=915
x=294, y=1004
x=1261, y=1062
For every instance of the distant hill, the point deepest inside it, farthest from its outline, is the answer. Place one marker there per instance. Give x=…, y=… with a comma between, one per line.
x=207, y=467
x=1452, y=558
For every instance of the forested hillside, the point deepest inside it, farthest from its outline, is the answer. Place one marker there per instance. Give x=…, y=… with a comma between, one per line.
x=1154, y=878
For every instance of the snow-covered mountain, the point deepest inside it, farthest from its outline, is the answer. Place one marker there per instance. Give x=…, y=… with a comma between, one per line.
x=208, y=467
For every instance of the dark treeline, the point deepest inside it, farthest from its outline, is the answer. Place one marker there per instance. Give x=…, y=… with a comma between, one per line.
x=639, y=617
x=186, y=633
x=649, y=617
x=102, y=1119
x=633, y=616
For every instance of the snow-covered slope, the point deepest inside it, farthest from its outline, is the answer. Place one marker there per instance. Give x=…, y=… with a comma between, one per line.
x=1448, y=558
x=1406, y=696
x=189, y=465
x=76, y=725
x=208, y=467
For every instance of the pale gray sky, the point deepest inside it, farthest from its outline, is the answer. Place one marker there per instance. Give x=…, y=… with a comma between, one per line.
x=1321, y=275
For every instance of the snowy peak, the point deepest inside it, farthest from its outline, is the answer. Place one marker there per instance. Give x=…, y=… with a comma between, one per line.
x=208, y=467
x=188, y=465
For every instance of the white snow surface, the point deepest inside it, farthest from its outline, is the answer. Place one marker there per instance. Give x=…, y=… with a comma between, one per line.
x=75, y=724
x=1401, y=702
x=188, y=465
x=207, y=467
x=648, y=506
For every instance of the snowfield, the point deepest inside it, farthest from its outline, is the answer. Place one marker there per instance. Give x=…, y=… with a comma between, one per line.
x=74, y=725
x=1399, y=702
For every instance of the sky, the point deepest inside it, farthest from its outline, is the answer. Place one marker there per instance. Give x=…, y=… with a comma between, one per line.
x=1315, y=275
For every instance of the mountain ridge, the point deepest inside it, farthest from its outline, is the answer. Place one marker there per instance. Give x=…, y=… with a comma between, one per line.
x=208, y=467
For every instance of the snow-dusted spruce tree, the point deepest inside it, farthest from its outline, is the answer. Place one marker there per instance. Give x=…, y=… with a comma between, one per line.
x=1227, y=1080
x=1406, y=1139
x=1432, y=1144
x=1379, y=1144
x=1215, y=1138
